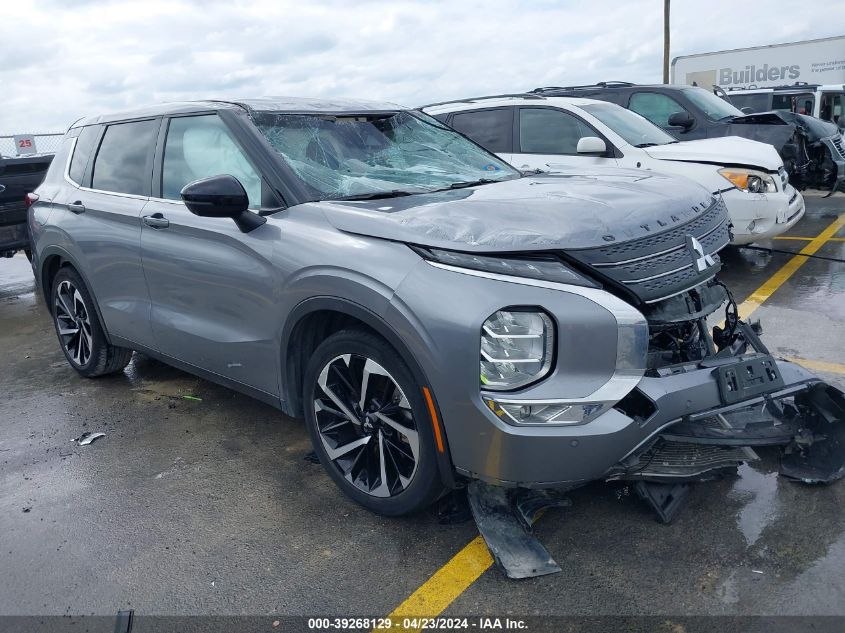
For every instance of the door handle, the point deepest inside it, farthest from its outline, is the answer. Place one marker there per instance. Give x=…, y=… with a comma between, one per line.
x=76, y=207
x=156, y=221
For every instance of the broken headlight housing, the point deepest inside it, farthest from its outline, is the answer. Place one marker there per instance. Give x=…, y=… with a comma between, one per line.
x=749, y=180
x=517, y=348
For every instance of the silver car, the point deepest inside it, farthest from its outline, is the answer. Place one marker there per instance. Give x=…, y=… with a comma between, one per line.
x=436, y=316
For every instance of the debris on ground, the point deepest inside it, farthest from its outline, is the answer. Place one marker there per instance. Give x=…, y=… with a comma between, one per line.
x=27, y=509
x=87, y=438
x=453, y=508
x=194, y=398
x=311, y=457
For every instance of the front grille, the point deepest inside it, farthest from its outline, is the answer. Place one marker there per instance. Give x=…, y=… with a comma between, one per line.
x=837, y=143
x=660, y=266
x=680, y=459
x=12, y=213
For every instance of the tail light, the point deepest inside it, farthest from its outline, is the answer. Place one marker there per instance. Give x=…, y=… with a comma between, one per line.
x=30, y=199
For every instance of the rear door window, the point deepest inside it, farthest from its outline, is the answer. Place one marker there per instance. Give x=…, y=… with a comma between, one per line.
x=200, y=147
x=654, y=106
x=800, y=103
x=82, y=152
x=492, y=129
x=831, y=106
x=124, y=162
x=548, y=131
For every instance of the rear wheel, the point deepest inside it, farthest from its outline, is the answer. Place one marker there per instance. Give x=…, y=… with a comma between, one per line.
x=369, y=424
x=80, y=334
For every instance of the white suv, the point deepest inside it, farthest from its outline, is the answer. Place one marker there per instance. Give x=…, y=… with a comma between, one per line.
x=553, y=133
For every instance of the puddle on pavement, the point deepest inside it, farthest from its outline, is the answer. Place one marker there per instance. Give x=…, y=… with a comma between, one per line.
x=762, y=507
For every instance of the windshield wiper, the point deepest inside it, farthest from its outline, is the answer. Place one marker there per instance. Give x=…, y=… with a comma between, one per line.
x=471, y=183
x=377, y=195
x=641, y=145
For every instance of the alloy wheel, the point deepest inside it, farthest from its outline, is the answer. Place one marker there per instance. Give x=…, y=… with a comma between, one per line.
x=366, y=425
x=73, y=323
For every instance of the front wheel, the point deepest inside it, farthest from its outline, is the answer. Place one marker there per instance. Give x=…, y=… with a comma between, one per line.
x=369, y=424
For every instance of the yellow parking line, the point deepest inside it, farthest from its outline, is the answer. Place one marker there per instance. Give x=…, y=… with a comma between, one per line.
x=819, y=365
x=447, y=583
x=755, y=300
x=806, y=239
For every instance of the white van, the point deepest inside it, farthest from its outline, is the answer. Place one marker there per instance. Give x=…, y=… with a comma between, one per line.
x=822, y=102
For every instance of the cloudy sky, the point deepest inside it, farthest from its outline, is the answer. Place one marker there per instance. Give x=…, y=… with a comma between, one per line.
x=62, y=59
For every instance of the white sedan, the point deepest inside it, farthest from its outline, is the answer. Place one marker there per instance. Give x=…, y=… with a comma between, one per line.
x=533, y=132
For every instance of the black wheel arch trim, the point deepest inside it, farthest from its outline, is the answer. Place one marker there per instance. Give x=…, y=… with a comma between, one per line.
x=292, y=401
x=66, y=257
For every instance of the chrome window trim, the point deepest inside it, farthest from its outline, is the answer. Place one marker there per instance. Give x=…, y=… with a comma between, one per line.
x=67, y=163
x=71, y=181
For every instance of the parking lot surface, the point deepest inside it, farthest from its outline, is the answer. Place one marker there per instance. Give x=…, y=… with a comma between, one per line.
x=199, y=500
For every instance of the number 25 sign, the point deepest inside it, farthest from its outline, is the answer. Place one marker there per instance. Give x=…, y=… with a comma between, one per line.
x=25, y=144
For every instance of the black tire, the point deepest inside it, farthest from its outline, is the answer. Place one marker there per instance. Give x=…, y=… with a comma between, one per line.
x=93, y=356
x=422, y=485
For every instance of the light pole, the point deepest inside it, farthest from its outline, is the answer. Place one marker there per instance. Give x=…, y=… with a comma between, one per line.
x=666, y=41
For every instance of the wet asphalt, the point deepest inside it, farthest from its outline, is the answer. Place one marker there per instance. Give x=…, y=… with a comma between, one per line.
x=205, y=504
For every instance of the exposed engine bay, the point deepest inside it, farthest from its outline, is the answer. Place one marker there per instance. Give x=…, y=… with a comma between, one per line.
x=812, y=150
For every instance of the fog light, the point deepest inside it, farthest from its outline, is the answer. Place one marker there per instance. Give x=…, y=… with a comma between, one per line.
x=542, y=413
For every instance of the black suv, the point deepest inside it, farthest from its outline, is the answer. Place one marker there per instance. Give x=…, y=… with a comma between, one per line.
x=812, y=150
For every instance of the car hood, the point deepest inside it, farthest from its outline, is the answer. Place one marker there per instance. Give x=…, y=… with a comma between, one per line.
x=565, y=210
x=726, y=150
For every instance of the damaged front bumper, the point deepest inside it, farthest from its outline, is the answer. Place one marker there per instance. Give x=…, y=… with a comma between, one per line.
x=702, y=422
x=696, y=421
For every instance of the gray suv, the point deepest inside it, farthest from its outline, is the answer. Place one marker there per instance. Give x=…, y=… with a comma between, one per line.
x=436, y=316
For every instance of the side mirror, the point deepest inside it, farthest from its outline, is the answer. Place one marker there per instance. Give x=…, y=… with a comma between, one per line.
x=681, y=119
x=747, y=110
x=591, y=145
x=221, y=197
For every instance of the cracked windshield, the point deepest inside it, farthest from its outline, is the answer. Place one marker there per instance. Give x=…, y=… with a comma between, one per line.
x=378, y=155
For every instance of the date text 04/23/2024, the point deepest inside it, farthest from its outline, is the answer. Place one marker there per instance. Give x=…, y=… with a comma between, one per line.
x=416, y=624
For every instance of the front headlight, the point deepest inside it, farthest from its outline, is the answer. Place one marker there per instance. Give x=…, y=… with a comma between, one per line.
x=749, y=180
x=543, y=267
x=517, y=347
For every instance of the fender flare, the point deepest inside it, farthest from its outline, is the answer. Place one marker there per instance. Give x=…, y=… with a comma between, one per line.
x=384, y=329
x=54, y=250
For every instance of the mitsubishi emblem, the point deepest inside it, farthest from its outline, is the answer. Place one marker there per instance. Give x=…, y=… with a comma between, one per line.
x=699, y=258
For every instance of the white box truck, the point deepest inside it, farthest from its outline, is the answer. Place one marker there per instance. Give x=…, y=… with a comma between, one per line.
x=819, y=61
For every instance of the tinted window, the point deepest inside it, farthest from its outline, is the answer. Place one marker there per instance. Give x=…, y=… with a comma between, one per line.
x=122, y=162
x=656, y=107
x=759, y=102
x=492, y=129
x=546, y=131
x=201, y=147
x=82, y=152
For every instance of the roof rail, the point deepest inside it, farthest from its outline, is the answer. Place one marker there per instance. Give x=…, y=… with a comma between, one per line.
x=520, y=95
x=798, y=85
x=601, y=84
